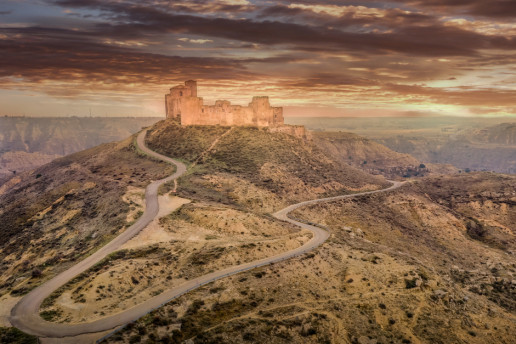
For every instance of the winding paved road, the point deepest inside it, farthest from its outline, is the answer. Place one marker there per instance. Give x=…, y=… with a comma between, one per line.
x=25, y=315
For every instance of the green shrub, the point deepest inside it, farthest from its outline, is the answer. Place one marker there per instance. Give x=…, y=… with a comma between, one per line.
x=12, y=335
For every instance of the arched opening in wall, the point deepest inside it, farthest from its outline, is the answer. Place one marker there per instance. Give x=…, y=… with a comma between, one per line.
x=202, y=110
x=180, y=93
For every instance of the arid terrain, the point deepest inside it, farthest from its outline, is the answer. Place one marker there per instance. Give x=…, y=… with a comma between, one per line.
x=469, y=144
x=27, y=143
x=431, y=262
x=55, y=215
x=305, y=172
x=375, y=158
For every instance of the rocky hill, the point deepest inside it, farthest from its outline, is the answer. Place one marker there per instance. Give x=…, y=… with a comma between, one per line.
x=489, y=148
x=15, y=162
x=26, y=143
x=411, y=266
x=373, y=157
x=460, y=151
x=248, y=160
x=431, y=262
x=54, y=215
x=503, y=134
x=473, y=144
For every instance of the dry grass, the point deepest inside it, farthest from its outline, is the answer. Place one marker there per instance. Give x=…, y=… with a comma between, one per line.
x=74, y=207
x=399, y=267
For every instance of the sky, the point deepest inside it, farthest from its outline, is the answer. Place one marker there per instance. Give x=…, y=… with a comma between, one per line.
x=315, y=58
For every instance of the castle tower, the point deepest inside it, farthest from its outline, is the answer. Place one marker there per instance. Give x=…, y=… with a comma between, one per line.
x=182, y=104
x=182, y=100
x=192, y=85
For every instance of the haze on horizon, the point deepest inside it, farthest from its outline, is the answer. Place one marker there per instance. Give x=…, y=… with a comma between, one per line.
x=332, y=58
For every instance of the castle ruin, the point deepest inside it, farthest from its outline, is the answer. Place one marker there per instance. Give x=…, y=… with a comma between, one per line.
x=183, y=104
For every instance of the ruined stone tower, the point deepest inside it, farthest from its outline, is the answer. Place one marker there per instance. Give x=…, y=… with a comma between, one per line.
x=183, y=104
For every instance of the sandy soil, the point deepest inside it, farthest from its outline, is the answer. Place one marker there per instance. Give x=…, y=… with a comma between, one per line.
x=7, y=302
x=154, y=233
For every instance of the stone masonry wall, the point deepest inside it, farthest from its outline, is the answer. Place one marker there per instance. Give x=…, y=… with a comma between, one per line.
x=182, y=103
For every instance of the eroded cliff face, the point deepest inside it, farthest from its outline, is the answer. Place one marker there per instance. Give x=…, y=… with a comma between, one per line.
x=27, y=143
x=476, y=144
x=375, y=158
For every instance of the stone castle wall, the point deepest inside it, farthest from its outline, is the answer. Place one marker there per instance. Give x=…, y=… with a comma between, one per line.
x=294, y=130
x=182, y=103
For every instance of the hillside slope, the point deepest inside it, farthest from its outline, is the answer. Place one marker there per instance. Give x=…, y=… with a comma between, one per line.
x=429, y=263
x=480, y=143
x=373, y=157
x=400, y=267
x=254, y=167
x=490, y=148
x=503, y=134
x=29, y=142
x=55, y=214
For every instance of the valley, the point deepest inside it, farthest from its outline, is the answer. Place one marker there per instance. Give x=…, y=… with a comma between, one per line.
x=469, y=144
x=397, y=266
x=29, y=142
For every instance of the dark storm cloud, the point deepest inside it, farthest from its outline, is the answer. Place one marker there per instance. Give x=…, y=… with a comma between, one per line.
x=281, y=11
x=389, y=17
x=37, y=54
x=504, y=9
x=436, y=40
x=197, y=7
x=409, y=37
x=501, y=9
x=328, y=81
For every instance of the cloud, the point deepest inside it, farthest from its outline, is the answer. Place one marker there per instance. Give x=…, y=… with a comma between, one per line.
x=504, y=9
x=179, y=6
x=409, y=36
x=330, y=52
x=64, y=56
x=490, y=97
x=195, y=41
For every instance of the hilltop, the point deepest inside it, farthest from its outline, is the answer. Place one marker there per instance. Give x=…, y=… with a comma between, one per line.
x=430, y=262
x=249, y=163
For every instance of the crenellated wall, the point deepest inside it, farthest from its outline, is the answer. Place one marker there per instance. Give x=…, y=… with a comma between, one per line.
x=182, y=103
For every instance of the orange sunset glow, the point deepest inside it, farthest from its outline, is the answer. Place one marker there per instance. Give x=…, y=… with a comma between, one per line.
x=319, y=58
